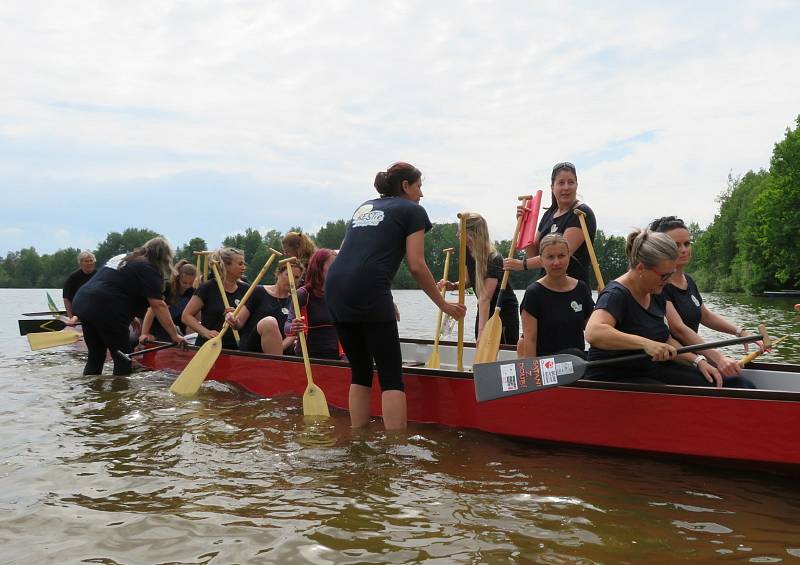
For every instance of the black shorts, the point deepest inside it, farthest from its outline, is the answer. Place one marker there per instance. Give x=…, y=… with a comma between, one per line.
x=371, y=345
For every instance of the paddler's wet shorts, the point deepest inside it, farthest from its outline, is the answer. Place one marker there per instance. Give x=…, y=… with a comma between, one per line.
x=364, y=341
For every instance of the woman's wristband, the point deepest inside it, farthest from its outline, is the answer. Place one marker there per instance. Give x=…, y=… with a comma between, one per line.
x=525, y=264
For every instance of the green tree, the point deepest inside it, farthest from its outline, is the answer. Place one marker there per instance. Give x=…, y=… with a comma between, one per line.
x=116, y=243
x=331, y=234
x=58, y=266
x=187, y=251
x=610, y=252
x=28, y=269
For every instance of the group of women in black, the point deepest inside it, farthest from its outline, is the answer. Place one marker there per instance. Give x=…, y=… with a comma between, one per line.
x=348, y=310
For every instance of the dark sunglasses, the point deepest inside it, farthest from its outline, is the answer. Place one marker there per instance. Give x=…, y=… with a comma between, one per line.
x=663, y=276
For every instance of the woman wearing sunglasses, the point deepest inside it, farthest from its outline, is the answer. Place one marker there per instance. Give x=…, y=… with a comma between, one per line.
x=560, y=218
x=684, y=303
x=629, y=318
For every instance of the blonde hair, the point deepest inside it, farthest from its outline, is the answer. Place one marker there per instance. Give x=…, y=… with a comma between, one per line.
x=300, y=245
x=182, y=267
x=552, y=239
x=483, y=250
x=224, y=257
x=157, y=251
x=649, y=248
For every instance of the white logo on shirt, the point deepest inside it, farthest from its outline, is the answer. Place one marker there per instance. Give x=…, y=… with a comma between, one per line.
x=285, y=311
x=553, y=228
x=576, y=307
x=365, y=216
x=696, y=302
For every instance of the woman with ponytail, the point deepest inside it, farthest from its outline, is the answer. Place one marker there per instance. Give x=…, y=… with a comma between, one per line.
x=629, y=318
x=205, y=312
x=358, y=289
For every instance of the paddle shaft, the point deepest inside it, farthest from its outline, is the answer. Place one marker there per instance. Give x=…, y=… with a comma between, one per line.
x=462, y=279
x=224, y=296
x=447, y=253
x=511, y=251
x=590, y=247
x=750, y=356
x=301, y=335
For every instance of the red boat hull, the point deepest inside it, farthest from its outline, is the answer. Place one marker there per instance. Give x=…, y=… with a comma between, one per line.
x=736, y=425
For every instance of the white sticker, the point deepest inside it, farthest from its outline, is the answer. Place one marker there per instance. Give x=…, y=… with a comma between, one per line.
x=547, y=369
x=564, y=368
x=695, y=300
x=508, y=377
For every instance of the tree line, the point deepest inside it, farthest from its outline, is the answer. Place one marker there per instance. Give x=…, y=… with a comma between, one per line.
x=27, y=269
x=753, y=243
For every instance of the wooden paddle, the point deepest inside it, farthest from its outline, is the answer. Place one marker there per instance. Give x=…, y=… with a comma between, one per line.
x=588, y=241
x=489, y=343
x=224, y=296
x=45, y=340
x=462, y=280
x=196, y=371
x=750, y=356
x=519, y=376
x=433, y=360
x=314, y=403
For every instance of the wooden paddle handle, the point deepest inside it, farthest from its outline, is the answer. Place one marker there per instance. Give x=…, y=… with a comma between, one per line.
x=513, y=247
x=462, y=275
x=750, y=356
x=258, y=278
x=447, y=253
x=588, y=242
x=301, y=335
x=225, y=303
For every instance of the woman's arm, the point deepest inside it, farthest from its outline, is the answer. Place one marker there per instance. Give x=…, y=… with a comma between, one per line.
x=530, y=327
x=191, y=320
x=161, y=313
x=484, y=302
x=147, y=324
x=602, y=334
x=716, y=322
x=700, y=363
x=415, y=258
x=687, y=336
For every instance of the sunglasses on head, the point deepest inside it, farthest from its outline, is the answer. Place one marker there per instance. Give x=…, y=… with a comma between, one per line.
x=564, y=165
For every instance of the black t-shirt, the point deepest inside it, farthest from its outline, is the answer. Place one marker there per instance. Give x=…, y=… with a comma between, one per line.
x=687, y=302
x=494, y=270
x=358, y=284
x=631, y=318
x=175, y=312
x=321, y=338
x=212, y=315
x=113, y=297
x=74, y=282
x=579, y=263
x=560, y=316
x=261, y=305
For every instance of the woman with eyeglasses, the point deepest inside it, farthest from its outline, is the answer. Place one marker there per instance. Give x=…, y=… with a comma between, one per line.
x=629, y=318
x=684, y=303
x=560, y=218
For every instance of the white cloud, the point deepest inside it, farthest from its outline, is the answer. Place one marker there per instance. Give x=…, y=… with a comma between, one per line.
x=483, y=96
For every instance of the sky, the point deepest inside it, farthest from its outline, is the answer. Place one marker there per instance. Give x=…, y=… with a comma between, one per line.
x=203, y=118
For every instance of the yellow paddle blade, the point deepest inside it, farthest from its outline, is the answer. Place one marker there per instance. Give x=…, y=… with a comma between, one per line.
x=434, y=361
x=193, y=375
x=489, y=344
x=314, y=403
x=52, y=339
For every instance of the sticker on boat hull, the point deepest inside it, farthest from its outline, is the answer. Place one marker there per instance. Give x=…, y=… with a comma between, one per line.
x=508, y=377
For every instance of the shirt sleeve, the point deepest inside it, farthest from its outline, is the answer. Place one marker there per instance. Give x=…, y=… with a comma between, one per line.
x=613, y=301
x=150, y=280
x=417, y=219
x=530, y=301
x=202, y=291
x=494, y=269
x=589, y=301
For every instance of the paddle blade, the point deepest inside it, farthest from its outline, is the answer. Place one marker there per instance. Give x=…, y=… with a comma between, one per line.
x=193, y=375
x=37, y=326
x=520, y=376
x=314, y=403
x=433, y=361
x=489, y=344
x=52, y=339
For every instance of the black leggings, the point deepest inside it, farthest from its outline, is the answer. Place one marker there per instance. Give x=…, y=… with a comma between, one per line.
x=99, y=340
x=364, y=342
x=671, y=374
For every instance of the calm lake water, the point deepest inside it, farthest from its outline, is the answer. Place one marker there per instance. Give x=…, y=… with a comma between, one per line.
x=118, y=470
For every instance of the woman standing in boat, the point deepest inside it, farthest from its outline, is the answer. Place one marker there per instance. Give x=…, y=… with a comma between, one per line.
x=109, y=301
x=684, y=303
x=205, y=312
x=556, y=307
x=484, y=273
x=560, y=218
x=358, y=289
x=629, y=318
